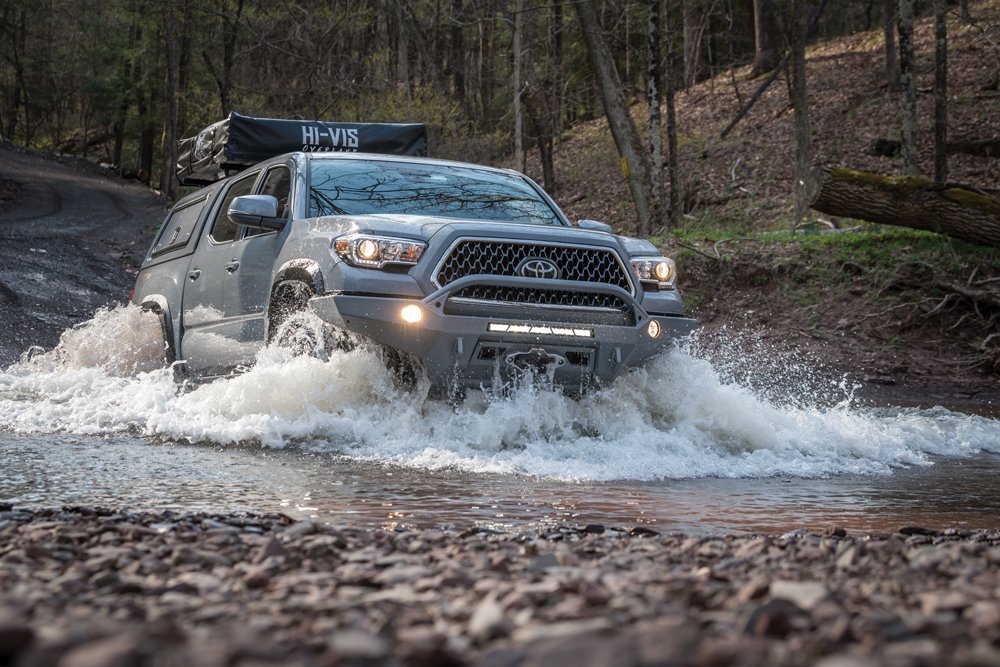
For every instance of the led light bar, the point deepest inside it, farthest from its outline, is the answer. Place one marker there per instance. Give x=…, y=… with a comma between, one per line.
x=497, y=327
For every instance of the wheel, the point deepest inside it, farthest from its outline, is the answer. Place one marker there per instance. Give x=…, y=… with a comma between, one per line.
x=291, y=326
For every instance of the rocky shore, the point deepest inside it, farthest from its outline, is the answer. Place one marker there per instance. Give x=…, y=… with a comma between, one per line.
x=87, y=587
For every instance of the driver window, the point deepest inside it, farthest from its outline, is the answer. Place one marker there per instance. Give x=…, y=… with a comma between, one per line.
x=277, y=183
x=223, y=229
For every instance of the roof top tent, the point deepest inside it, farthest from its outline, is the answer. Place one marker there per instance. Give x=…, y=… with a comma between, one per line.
x=238, y=142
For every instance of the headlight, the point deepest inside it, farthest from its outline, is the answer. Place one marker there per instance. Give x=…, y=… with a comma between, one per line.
x=655, y=272
x=375, y=252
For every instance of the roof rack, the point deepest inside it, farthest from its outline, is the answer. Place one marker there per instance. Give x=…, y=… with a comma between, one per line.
x=238, y=142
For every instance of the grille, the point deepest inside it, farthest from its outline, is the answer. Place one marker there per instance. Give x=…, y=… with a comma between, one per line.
x=542, y=297
x=501, y=258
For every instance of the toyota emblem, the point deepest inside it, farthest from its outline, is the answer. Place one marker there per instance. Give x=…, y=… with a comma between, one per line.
x=533, y=267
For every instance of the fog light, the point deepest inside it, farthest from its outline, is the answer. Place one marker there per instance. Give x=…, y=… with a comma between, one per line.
x=411, y=314
x=653, y=329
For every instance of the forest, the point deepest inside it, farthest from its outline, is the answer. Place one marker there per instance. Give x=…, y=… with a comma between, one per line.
x=496, y=81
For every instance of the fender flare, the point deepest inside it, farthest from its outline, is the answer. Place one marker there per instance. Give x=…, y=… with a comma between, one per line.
x=304, y=270
x=157, y=303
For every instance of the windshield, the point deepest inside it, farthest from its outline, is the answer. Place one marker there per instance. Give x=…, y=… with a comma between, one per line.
x=359, y=187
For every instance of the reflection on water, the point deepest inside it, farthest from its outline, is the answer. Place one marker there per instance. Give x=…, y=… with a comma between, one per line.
x=133, y=473
x=732, y=443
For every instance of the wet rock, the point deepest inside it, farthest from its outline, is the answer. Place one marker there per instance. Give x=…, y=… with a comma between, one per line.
x=918, y=530
x=642, y=531
x=594, y=528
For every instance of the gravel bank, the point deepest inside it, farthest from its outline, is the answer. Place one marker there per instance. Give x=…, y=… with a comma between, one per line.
x=83, y=587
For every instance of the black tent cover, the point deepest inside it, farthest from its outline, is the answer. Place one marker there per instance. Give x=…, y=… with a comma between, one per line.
x=239, y=142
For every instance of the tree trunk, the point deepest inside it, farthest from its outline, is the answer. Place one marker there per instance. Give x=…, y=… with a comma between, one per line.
x=457, y=51
x=940, y=91
x=653, y=98
x=800, y=102
x=635, y=164
x=692, y=13
x=908, y=98
x=963, y=7
x=767, y=50
x=171, y=43
x=486, y=30
x=519, y=158
x=917, y=203
x=891, y=56
x=556, y=65
x=673, y=164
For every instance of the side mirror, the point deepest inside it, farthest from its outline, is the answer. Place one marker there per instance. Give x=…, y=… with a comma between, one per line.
x=257, y=211
x=595, y=225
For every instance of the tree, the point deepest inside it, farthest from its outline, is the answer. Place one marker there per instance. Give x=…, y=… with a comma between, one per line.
x=692, y=21
x=891, y=58
x=519, y=156
x=800, y=102
x=635, y=164
x=908, y=95
x=653, y=98
x=940, y=91
x=767, y=47
x=673, y=163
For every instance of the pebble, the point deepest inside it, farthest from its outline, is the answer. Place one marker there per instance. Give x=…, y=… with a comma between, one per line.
x=91, y=587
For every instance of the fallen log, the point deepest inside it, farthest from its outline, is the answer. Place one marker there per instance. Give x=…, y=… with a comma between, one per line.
x=956, y=210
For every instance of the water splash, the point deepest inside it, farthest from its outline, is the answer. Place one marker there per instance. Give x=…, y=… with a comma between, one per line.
x=678, y=417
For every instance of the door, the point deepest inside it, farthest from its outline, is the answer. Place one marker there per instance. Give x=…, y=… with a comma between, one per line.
x=207, y=344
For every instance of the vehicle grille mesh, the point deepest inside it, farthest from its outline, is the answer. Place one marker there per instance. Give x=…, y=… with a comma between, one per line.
x=542, y=297
x=501, y=258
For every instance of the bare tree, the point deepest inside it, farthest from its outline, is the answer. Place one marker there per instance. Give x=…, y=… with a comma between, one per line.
x=800, y=102
x=940, y=91
x=635, y=163
x=692, y=13
x=519, y=157
x=891, y=56
x=654, y=97
x=908, y=98
x=767, y=47
x=673, y=164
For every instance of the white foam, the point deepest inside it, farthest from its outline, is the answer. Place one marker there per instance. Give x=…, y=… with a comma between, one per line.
x=676, y=418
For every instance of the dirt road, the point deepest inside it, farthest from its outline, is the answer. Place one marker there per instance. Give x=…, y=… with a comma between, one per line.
x=71, y=237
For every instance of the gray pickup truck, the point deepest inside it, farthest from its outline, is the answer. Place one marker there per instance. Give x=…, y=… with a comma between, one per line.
x=472, y=275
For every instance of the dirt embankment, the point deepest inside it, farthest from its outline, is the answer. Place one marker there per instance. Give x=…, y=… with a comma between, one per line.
x=93, y=587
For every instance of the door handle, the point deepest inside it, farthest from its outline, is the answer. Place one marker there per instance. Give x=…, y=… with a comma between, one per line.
x=232, y=266
x=194, y=275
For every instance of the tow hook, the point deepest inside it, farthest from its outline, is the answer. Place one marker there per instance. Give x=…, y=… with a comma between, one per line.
x=536, y=359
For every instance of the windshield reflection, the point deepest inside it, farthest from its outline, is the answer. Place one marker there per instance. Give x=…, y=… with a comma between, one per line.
x=361, y=187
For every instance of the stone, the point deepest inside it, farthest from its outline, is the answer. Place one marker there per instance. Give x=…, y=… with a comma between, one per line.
x=775, y=618
x=804, y=594
x=938, y=601
x=357, y=644
x=487, y=621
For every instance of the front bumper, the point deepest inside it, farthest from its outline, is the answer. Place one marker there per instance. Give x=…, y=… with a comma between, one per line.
x=473, y=348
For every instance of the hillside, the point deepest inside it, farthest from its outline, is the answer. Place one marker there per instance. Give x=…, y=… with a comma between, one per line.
x=897, y=311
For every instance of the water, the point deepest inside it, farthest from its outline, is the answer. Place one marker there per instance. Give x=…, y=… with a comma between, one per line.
x=683, y=444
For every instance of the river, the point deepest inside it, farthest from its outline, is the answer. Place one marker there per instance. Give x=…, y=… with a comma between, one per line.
x=690, y=443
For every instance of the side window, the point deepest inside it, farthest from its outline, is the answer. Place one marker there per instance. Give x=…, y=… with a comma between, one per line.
x=178, y=227
x=278, y=184
x=224, y=229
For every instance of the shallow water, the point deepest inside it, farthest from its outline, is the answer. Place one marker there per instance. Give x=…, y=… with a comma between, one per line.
x=730, y=444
